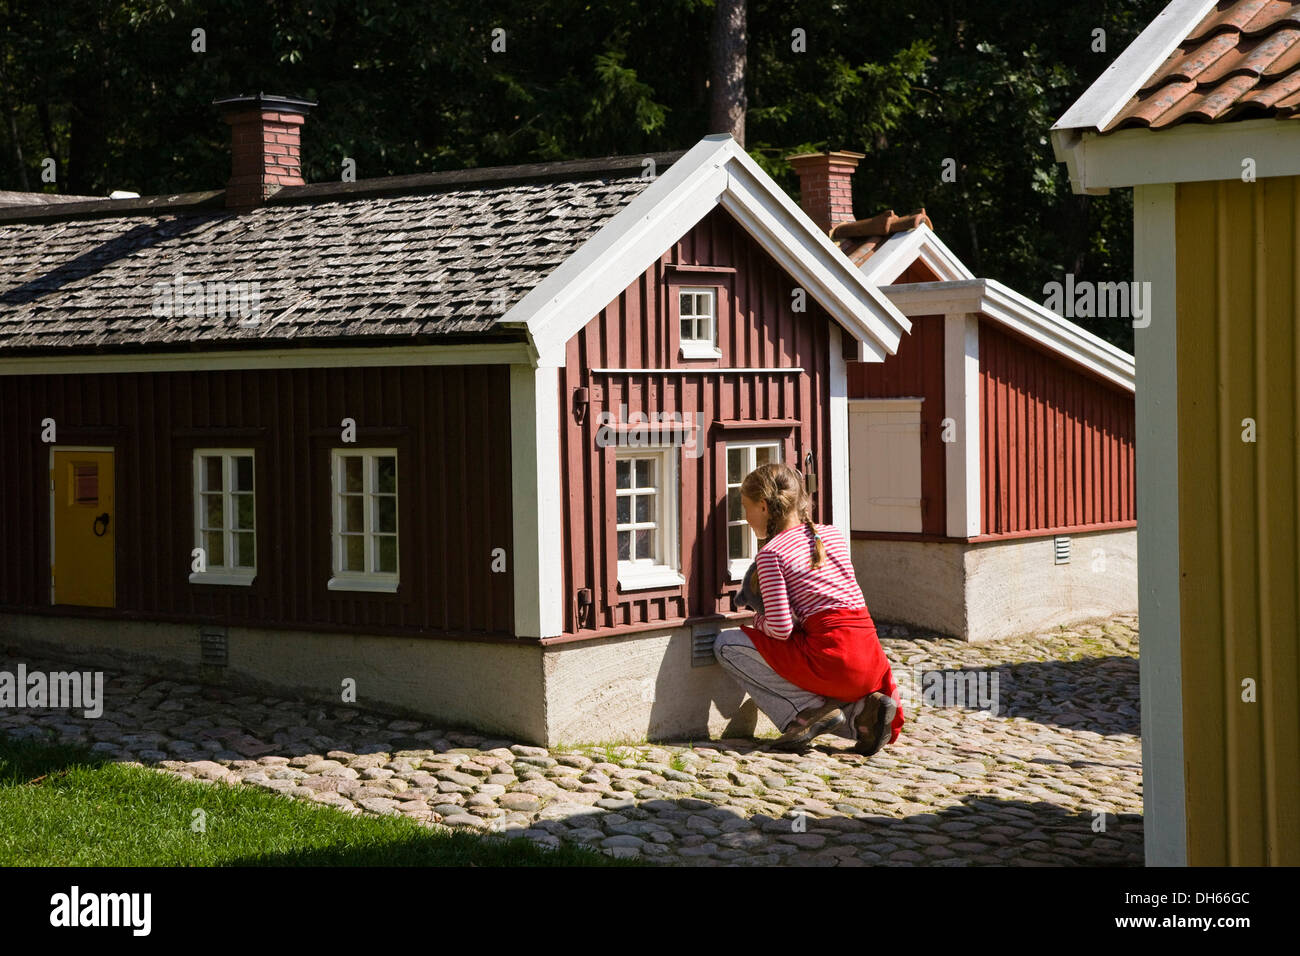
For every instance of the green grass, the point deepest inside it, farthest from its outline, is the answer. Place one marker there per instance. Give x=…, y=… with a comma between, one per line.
x=78, y=810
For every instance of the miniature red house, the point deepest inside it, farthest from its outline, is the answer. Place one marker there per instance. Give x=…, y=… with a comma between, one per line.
x=468, y=442
x=991, y=457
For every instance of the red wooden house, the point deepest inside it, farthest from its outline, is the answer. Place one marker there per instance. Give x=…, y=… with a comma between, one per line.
x=992, y=457
x=465, y=441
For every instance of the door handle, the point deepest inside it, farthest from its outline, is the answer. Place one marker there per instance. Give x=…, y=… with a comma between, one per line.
x=95, y=527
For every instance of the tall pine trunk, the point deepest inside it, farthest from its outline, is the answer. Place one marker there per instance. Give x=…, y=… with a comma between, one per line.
x=727, y=70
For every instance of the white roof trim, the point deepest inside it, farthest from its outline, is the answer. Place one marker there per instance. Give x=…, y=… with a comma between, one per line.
x=903, y=248
x=991, y=298
x=716, y=171
x=1122, y=79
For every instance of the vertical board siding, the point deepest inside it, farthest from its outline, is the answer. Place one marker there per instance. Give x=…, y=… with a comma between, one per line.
x=757, y=328
x=916, y=370
x=451, y=427
x=1238, y=280
x=1057, y=445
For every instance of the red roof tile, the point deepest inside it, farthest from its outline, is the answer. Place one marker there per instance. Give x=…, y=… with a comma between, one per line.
x=1241, y=61
x=859, y=239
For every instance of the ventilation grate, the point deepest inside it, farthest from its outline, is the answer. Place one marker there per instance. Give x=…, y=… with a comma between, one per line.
x=1062, y=544
x=212, y=646
x=702, y=646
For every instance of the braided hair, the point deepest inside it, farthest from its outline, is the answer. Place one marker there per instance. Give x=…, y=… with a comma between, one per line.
x=780, y=487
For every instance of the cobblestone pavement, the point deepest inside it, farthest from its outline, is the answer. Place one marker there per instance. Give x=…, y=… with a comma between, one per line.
x=1049, y=776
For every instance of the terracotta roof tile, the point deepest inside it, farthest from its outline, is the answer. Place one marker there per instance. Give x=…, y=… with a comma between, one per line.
x=1241, y=60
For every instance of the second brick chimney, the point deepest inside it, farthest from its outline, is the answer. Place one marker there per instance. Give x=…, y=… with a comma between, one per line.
x=265, y=145
x=826, y=186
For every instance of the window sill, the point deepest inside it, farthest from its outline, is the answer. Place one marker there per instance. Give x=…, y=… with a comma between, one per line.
x=700, y=350
x=381, y=585
x=222, y=577
x=637, y=579
x=736, y=569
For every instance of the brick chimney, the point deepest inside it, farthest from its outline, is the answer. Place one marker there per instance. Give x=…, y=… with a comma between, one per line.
x=826, y=186
x=264, y=145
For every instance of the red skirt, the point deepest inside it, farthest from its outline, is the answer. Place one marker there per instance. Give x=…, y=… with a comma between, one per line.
x=835, y=654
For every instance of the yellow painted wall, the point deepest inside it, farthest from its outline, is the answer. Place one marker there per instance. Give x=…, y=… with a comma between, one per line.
x=1238, y=268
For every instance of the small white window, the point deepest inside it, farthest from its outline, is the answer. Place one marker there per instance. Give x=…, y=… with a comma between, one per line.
x=742, y=543
x=645, y=519
x=364, y=492
x=224, y=516
x=698, y=316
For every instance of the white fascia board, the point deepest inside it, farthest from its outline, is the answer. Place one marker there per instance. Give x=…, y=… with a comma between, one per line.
x=716, y=171
x=904, y=248
x=484, y=353
x=1122, y=79
x=990, y=298
x=1189, y=152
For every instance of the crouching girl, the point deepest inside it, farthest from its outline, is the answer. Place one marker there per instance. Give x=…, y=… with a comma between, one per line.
x=812, y=660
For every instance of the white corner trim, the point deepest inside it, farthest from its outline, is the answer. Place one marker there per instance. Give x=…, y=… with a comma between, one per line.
x=716, y=171
x=535, y=479
x=904, y=248
x=484, y=353
x=961, y=373
x=841, y=499
x=990, y=298
x=1189, y=152
x=1132, y=68
x=1160, y=666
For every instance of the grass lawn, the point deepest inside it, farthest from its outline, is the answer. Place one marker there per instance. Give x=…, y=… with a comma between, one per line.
x=66, y=806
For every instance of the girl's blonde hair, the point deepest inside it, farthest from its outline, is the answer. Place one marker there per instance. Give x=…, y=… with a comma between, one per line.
x=781, y=487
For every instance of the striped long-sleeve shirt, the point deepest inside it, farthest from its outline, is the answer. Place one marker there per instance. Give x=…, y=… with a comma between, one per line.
x=791, y=590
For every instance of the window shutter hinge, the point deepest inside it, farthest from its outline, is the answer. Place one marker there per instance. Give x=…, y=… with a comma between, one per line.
x=581, y=399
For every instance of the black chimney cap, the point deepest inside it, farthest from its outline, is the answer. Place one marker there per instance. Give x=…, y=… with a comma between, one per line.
x=266, y=101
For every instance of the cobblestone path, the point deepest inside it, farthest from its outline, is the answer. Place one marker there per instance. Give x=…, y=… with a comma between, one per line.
x=1042, y=767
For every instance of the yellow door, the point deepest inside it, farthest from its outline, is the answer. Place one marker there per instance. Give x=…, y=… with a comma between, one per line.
x=81, y=484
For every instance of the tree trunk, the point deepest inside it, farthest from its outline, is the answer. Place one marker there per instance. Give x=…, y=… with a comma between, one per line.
x=727, y=70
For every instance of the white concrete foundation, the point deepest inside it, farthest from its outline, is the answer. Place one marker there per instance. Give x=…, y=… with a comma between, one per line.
x=994, y=589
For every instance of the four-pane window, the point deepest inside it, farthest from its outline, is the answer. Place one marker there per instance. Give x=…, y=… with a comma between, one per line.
x=698, y=310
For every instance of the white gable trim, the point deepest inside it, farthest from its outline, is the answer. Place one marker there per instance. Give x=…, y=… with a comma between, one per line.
x=1190, y=152
x=716, y=171
x=990, y=298
x=902, y=249
x=1103, y=100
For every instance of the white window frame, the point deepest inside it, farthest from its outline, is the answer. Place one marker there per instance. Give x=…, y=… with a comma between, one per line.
x=368, y=580
x=696, y=347
x=643, y=575
x=237, y=576
x=736, y=567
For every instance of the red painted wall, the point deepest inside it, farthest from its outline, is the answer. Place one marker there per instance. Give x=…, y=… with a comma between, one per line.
x=1057, y=444
x=757, y=329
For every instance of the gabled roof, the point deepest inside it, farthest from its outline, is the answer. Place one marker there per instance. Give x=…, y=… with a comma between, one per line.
x=715, y=172
x=443, y=254
x=991, y=299
x=892, y=257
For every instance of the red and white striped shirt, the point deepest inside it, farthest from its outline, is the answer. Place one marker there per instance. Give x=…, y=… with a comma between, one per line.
x=791, y=590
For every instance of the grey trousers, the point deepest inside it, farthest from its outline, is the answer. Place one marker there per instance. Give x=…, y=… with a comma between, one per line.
x=775, y=696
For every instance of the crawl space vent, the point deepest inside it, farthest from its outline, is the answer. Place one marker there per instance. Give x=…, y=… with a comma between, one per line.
x=1063, y=549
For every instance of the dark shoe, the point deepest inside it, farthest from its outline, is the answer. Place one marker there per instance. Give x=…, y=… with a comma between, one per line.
x=811, y=724
x=873, y=723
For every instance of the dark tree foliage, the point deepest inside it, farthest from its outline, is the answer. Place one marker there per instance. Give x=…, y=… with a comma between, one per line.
x=117, y=95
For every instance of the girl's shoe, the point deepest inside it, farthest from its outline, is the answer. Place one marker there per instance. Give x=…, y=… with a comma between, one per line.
x=873, y=723
x=810, y=724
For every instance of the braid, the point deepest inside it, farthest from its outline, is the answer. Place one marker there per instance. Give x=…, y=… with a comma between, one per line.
x=780, y=486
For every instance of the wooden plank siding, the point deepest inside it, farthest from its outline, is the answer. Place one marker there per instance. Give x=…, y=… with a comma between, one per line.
x=757, y=328
x=1238, y=354
x=1056, y=444
x=916, y=370
x=450, y=426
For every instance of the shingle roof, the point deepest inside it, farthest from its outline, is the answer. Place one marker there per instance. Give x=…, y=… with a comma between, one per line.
x=1241, y=61
x=329, y=262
